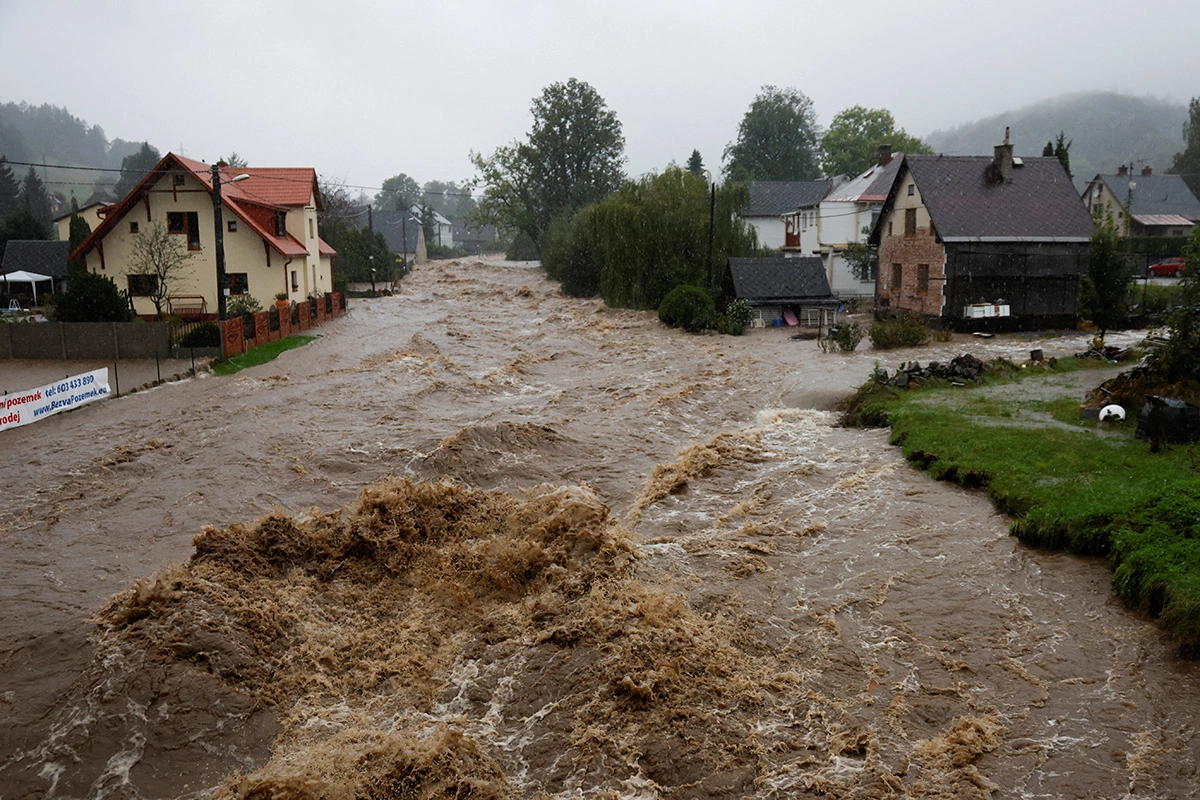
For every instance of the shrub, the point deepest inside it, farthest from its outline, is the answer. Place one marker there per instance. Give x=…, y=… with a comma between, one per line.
x=738, y=313
x=848, y=335
x=241, y=304
x=206, y=335
x=92, y=298
x=687, y=307
x=906, y=331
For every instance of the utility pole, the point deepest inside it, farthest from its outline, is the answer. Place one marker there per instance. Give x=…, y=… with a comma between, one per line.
x=219, y=235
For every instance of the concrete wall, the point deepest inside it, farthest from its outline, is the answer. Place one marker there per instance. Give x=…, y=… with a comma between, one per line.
x=84, y=340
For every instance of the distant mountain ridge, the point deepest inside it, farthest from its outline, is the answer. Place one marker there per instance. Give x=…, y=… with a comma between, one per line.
x=1107, y=129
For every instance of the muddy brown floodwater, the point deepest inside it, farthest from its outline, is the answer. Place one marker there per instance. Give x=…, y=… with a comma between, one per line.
x=482, y=540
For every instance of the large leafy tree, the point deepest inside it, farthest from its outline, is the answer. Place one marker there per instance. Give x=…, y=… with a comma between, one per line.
x=135, y=167
x=778, y=139
x=452, y=201
x=573, y=156
x=851, y=144
x=398, y=193
x=33, y=192
x=1187, y=163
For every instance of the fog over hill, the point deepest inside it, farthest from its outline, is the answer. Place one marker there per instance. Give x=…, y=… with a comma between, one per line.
x=1107, y=129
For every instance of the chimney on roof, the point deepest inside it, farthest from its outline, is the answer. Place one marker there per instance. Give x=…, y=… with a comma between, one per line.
x=885, y=154
x=1122, y=171
x=1003, y=160
x=1147, y=170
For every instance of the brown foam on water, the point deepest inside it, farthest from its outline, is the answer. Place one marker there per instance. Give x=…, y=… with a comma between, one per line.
x=352, y=626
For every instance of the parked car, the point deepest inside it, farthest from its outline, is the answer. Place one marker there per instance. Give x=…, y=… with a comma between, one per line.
x=1167, y=268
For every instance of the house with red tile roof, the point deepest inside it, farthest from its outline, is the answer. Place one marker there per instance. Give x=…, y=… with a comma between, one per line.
x=269, y=232
x=994, y=238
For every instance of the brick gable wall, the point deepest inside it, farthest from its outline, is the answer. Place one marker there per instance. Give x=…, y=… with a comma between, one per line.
x=910, y=252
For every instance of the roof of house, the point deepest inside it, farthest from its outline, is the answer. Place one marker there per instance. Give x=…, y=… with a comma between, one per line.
x=485, y=233
x=779, y=279
x=252, y=200
x=44, y=258
x=1038, y=204
x=95, y=200
x=776, y=198
x=1154, y=194
x=394, y=225
x=872, y=186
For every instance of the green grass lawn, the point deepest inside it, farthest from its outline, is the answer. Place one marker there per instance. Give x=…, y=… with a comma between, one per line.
x=1083, y=486
x=260, y=355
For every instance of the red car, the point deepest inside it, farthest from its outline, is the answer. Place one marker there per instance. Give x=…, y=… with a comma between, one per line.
x=1167, y=268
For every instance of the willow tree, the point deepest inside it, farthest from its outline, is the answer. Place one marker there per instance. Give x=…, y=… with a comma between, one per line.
x=649, y=237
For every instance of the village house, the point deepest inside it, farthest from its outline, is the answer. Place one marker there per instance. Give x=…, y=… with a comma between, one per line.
x=269, y=231
x=402, y=231
x=780, y=290
x=844, y=217
x=970, y=237
x=89, y=212
x=1160, y=205
x=772, y=201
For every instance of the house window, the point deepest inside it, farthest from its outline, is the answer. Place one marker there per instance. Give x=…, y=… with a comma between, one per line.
x=180, y=179
x=281, y=223
x=133, y=227
x=910, y=222
x=143, y=285
x=187, y=223
x=232, y=226
x=912, y=189
x=295, y=281
x=889, y=227
x=311, y=229
x=897, y=273
x=238, y=283
x=923, y=277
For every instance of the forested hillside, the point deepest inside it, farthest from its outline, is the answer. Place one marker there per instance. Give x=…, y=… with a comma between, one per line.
x=51, y=135
x=1107, y=129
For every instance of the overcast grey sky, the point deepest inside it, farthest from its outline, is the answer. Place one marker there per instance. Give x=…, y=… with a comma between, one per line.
x=363, y=90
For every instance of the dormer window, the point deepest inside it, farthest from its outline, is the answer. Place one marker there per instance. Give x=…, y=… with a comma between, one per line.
x=281, y=224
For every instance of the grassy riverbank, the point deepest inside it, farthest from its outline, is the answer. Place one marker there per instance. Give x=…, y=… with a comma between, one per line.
x=1084, y=486
x=260, y=355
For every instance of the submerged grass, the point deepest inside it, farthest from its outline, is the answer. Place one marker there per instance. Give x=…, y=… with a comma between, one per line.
x=260, y=355
x=1087, y=487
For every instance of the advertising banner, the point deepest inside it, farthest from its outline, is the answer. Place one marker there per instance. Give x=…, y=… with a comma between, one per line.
x=29, y=406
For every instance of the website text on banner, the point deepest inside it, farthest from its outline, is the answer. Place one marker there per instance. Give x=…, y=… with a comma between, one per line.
x=29, y=406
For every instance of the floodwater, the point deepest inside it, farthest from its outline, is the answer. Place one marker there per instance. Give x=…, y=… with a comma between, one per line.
x=481, y=540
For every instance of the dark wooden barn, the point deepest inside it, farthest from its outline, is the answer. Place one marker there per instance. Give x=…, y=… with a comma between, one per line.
x=970, y=239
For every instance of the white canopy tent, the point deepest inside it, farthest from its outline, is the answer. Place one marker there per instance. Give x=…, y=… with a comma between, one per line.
x=21, y=276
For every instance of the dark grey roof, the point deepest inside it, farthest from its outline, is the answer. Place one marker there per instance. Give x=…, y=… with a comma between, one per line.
x=1039, y=204
x=394, y=225
x=775, y=198
x=781, y=280
x=43, y=258
x=463, y=234
x=1155, y=194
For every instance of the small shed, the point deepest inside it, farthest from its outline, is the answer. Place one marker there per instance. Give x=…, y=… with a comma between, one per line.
x=781, y=290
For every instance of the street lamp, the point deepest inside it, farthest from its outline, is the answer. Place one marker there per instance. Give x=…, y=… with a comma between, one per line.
x=219, y=230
